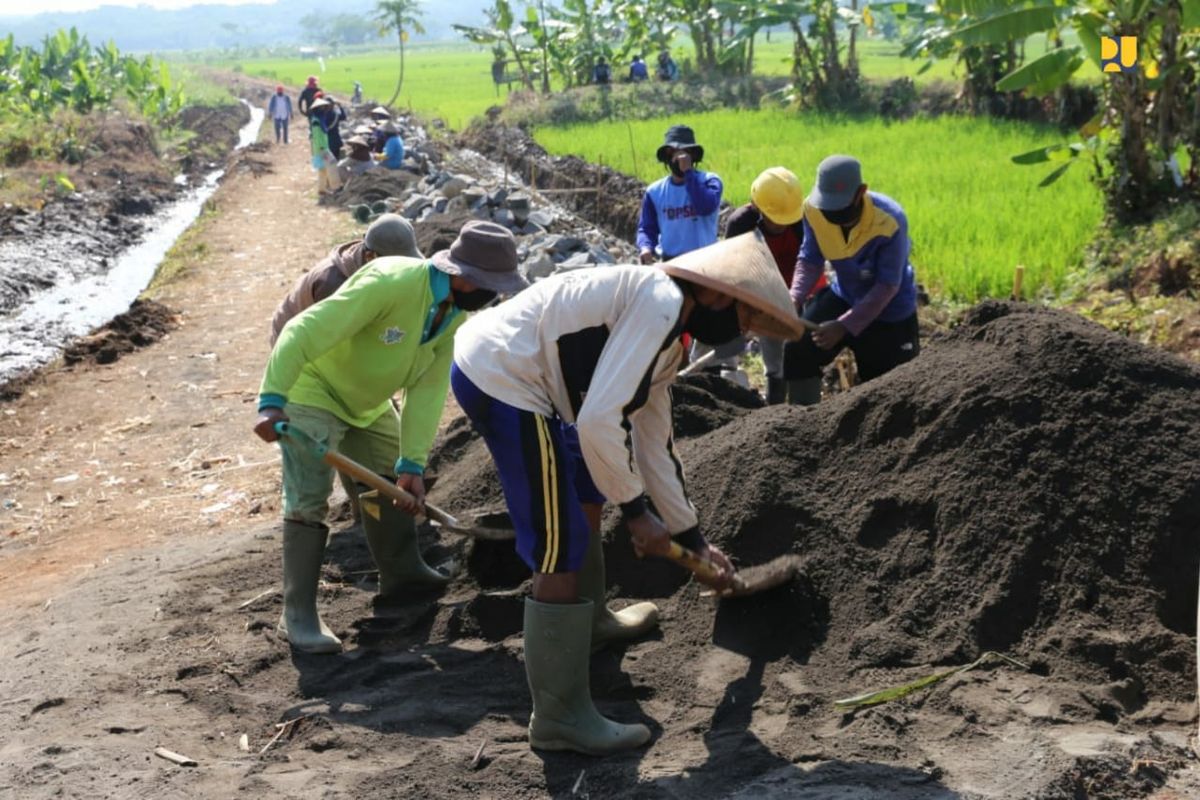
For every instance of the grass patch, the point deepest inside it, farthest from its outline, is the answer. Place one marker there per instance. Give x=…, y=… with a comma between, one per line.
x=201, y=90
x=973, y=215
x=185, y=255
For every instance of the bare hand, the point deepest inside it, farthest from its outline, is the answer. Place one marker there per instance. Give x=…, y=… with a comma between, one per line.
x=264, y=428
x=649, y=534
x=684, y=159
x=647, y=257
x=721, y=562
x=414, y=485
x=829, y=335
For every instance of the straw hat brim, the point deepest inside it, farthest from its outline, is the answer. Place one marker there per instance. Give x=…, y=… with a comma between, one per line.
x=744, y=268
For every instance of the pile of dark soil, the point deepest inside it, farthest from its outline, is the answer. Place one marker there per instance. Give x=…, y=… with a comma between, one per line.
x=438, y=231
x=1025, y=486
x=143, y=324
x=1028, y=485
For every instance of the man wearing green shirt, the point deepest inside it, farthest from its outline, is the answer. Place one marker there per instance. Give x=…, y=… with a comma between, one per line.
x=333, y=372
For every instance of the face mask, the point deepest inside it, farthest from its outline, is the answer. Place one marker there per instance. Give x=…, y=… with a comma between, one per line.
x=472, y=300
x=675, y=170
x=845, y=216
x=713, y=327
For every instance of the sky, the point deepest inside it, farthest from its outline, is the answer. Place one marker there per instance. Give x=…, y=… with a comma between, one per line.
x=25, y=7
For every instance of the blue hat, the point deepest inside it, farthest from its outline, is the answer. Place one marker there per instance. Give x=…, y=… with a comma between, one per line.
x=838, y=179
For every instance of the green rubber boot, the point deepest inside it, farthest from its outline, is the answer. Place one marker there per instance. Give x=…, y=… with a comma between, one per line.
x=303, y=552
x=609, y=626
x=804, y=392
x=776, y=391
x=392, y=537
x=556, y=665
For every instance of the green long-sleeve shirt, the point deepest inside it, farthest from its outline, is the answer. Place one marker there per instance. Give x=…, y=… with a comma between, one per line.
x=349, y=353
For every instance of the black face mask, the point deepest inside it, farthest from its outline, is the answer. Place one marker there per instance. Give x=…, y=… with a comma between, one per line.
x=845, y=216
x=674, y=167
x=713, y=327
x=472, y=300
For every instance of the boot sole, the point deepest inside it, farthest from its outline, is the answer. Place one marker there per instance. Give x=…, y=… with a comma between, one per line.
x=560, y=745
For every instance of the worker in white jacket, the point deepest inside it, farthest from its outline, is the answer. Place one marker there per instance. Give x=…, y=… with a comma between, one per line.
x=567, y=383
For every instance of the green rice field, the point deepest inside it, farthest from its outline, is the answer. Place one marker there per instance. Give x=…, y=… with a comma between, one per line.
x=973, y=215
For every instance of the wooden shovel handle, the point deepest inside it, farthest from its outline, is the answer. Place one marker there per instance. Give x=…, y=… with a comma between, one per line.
x=363, y=475
x=701, y=567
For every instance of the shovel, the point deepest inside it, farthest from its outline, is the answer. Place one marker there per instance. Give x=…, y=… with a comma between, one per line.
x=385, y=487
x=750, y=581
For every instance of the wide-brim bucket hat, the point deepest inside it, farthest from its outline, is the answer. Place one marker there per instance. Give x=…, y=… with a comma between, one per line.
x=680, y=137
x=485, y=253
x=744, y=268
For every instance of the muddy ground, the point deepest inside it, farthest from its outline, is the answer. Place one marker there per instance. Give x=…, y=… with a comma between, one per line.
x=1026, y=486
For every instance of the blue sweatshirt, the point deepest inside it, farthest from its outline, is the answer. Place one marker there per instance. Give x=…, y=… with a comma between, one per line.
x=678, y=218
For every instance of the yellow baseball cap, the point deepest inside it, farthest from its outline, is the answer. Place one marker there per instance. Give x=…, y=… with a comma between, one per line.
x=777, y=193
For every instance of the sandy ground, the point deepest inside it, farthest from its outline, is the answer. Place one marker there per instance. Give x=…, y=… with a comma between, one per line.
x=138, y=551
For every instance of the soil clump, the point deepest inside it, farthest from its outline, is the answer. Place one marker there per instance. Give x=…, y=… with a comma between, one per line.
x=143, y=324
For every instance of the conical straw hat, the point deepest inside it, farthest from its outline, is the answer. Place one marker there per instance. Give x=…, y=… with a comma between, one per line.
x=744, y=268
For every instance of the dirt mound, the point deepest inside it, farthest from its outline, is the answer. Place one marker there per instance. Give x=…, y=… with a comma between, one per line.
x=438, y=231
x=1023, y=486
x=143, y=324
x=621, y=193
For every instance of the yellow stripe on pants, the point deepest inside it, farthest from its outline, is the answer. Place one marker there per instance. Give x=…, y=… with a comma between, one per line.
x=549, y=493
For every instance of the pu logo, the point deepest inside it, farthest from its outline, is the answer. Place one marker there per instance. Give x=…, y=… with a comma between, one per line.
x=1118, y=55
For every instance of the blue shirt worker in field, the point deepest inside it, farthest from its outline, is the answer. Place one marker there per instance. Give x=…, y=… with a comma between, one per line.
x=638, y=71
x=871, y=305
x=568, y=383
x=601, y=73
x=280, y=110
x=333, y=372
x=679, y=211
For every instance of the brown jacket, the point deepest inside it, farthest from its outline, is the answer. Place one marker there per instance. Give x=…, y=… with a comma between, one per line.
x=318, y=283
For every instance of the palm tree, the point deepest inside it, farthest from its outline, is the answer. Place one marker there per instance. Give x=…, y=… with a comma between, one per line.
x=400, y=16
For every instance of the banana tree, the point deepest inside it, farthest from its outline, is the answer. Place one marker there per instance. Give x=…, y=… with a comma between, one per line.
x=1149, y=112
x=502, y=31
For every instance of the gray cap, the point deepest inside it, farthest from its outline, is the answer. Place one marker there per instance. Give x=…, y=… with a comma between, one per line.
x=392, y=235
x=838, y=179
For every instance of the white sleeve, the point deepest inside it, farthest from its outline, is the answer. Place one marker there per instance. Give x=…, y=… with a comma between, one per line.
x=620, y=386
x=654, y=448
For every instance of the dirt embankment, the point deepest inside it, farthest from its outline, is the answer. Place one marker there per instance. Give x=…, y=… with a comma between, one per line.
x=616, y=210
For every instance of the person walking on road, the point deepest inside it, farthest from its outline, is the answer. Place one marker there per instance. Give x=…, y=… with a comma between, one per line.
x=307, y=95
x=323, y=159
x=279, y=109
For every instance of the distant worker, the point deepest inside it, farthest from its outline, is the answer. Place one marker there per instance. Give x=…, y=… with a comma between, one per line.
x=638, y=71
x=334, y=115
x=393, y=147
x=776, y=209
x=379, y=116
x=667, y=70
x=357, y=98
x=358, y=160
x=601, y=73
x=323, y=160
x=871, y=306
x=307, y=95
x=279, y=109
x=333, y=372
x=389, y=235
